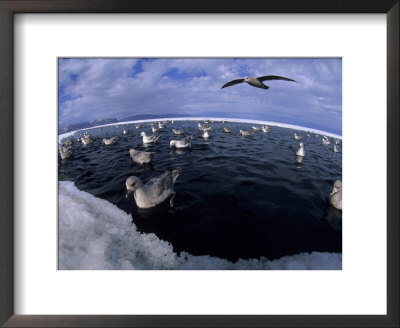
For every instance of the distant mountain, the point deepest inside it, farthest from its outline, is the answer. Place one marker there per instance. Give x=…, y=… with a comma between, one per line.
x=151, y=116
x=85, y=125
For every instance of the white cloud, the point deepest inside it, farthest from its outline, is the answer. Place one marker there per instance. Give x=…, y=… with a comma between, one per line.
x=100, y=88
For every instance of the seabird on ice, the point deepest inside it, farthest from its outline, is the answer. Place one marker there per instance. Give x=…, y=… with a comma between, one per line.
x=257, y=81
x=155, y=191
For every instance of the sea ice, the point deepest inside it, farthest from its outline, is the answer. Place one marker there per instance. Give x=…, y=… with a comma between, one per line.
x=95, y=234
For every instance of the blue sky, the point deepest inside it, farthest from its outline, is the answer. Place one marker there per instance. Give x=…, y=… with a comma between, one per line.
x=95, y=88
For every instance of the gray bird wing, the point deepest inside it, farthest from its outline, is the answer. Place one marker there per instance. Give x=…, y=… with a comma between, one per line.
x=143, y=155
x=232, y=83
x=186, y=139
x=274, y=77
x=158, y=185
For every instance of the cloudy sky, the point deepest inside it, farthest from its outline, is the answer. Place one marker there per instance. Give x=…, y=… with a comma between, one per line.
x=91, y=88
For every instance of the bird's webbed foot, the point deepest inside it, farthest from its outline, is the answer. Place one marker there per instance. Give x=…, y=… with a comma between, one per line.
x=171, y=201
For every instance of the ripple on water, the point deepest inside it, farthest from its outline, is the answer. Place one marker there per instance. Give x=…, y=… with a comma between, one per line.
x=237, y=197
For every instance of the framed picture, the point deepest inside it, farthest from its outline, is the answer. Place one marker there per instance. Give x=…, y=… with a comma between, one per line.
x=221, y=100
x=184, y=134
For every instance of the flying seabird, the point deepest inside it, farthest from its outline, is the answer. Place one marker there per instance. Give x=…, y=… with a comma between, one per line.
x=257, y=81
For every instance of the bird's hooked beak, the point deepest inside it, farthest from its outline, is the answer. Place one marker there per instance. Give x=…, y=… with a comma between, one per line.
x=128, y=193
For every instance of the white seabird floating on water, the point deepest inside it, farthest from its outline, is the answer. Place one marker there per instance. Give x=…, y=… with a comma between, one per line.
x=140, y=157
x=246, y=133
x=65, y=151
x=325, y=140
x=183, y=143
x=265, y=129
x=296, y=136
x=155, y=191
x=110, y=141
x=203, y=127
x=335, y=197
x=178, y=132
x=149, y=139
x=86, y=140
x=301, y=152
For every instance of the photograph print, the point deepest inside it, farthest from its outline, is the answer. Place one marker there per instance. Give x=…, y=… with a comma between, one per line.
x=199, y=163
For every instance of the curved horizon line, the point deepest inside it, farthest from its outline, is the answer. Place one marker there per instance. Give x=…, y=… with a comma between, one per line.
x=237, y=120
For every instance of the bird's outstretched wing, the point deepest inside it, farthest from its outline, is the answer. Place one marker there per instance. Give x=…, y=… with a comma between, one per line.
x=232, y=83
x=273, y=77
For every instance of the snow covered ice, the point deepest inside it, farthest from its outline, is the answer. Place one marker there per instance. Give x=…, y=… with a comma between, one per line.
x=95, y=234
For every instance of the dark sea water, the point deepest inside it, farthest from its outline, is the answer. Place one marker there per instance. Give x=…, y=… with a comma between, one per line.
x=237, y=197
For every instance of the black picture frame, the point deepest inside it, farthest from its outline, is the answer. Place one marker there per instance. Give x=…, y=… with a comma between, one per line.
x=10, y=7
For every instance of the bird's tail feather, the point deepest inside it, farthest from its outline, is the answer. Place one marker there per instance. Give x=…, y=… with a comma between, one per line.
x=175, y=173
